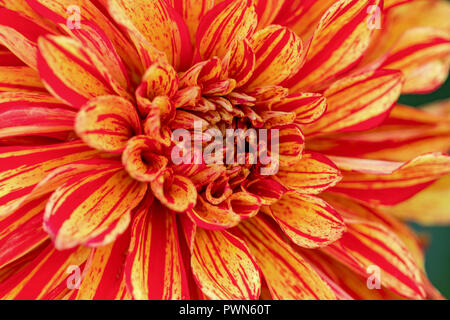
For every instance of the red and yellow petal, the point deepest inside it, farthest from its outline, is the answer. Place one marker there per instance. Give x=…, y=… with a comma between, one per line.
x=24, y=167
x=20, y=34
x=366, y=244
x=428, y=207
x=46, y=273
x=154, y=268
x=223, y=266
x=176, y=192
x=307, y=220
x=104, y=275
x=159, y=24
x=68, y=73
x=20, y=78
x=389, y=183
x=287, y=274
x=423, y=55
x=94, y=207
x=339, y=42
x=22, y=231
x=359, y=102
x=227, y=22
x=278, y=56
x=106, y=123
x=313, y=174
x=308, y=107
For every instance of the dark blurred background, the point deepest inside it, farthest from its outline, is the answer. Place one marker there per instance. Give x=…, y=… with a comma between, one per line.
x=438, y=252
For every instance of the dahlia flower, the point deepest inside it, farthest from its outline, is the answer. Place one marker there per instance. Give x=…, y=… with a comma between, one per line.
x=94, y=206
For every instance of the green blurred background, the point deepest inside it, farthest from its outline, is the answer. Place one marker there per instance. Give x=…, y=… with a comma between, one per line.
x=438, y=252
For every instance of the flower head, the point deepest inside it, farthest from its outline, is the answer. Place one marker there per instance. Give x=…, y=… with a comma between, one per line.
x=177, y=149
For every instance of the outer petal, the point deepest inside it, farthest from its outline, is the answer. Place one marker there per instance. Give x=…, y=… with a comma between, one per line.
x=308, y=221
x=423, y=55
x=22, y=231
x=36, y=121
x=267, y=10
x=242, y=62
x=313, y=174
x=278, y=53
x=104, y=277
x=367, y=244
x=224, y=267
x=227, y=22
x=308, y=107
x=107, y=123
x=44, y=274
x=20, y=78
x=303, y=16
x=56, y=12
x=20, y=34
x=406, y=133
x=287, y=274
x=159, y=24
x=24, y=167
x=389, y=183
x=338, y=44
x=192, y=11
x=92, y=208
x=154, y=267
x=428, y=207
x=68, y=73
x=358, y=103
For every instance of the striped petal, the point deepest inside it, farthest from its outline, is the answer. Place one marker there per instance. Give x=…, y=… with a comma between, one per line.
x=303, y=16
x=242, y=62
x=24, y=167
x=433, y=200
x=268, y=190
x=358, y=103
x=291, y=144
x=159, y=24
x=56, y=11
x=68, y=73
x=339, y=42
x=212, y=217
x=176, y=192
x=267, y=10
x=406, y=133
x=366, y=244
x=106, y=123
x=389, y=183
x=278, y=56
x=93, y=207
x=308, y=221
x=38, y=121
x=154, y=268
x=228, y=21
x=350, y=209
x=223, y=266
x=44, y=274
x=104, y=277
x=313, y=174
x=287, y=274
x=20, y=78
x=308, y=107
x=160, y=79
x=192, y=11
x=22, y=231
x=20, y=35
x=141, y=161
x=105, y=57
x=423, y=55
